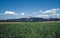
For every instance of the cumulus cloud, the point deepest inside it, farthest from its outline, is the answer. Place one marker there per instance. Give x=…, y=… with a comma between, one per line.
x=50, y=13
x=43, y=16
x=22, y=14
x=10, y=13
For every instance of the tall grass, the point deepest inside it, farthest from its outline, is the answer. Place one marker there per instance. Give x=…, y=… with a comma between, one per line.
x=30, y=30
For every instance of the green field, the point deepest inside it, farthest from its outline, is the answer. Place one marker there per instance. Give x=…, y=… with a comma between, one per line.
x=29, y=29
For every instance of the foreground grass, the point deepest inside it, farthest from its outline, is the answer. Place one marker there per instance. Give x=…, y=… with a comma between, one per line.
x=29, y=29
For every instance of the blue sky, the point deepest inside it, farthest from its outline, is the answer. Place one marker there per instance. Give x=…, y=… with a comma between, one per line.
x=23, y=8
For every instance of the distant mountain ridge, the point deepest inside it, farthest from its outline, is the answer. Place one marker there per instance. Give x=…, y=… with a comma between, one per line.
x=30, y=19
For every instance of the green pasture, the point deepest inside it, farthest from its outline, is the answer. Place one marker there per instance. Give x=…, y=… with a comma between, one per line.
x=29, y=29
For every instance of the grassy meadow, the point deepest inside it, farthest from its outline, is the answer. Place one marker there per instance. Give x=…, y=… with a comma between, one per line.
x=29, y=29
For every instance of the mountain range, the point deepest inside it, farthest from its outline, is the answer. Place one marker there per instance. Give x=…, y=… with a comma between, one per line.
x=31, y=19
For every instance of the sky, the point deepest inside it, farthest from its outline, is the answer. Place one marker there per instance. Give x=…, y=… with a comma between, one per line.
x=10, y=9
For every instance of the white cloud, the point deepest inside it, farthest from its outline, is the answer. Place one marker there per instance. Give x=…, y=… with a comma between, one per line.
x=10, y=13
x=22, y=14
x=50, y=13
x=43, y=16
